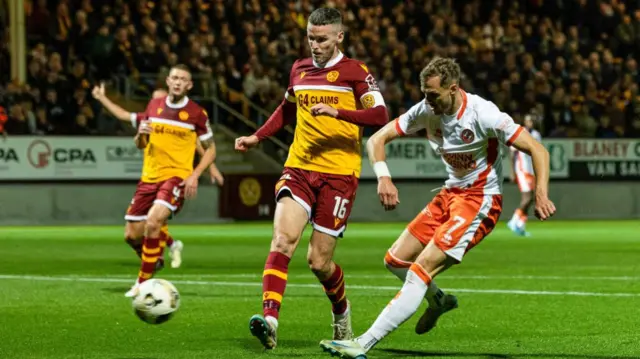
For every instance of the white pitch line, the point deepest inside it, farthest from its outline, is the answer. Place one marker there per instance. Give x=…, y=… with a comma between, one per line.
x=390, y=277
x=297, y=285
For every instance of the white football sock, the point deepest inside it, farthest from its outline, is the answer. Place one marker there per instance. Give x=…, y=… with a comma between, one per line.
x=515, y=219
x=401, y=308
x=434, y=294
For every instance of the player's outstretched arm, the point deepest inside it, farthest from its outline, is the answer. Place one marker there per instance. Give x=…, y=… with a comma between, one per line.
x=214, y=173
x=283, y=115
x=375, y=116
x=387, y=191
x=512, y=161
x=540, y=157
x=99, y=94
x=191, y=183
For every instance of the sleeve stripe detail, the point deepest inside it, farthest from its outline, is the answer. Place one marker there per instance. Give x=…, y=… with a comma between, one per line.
x=134, y=119
x=515, y=135
x=398, y=128
x=289, y=97
x=206, y=136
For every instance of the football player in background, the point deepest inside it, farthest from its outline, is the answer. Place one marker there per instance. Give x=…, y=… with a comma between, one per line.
x=175, y=246
x=331, y=97
x=168, y=176
x=522, y=173
x=465, y=130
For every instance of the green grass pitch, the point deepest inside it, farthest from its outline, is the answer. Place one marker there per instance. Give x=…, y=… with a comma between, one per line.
x=570, y=291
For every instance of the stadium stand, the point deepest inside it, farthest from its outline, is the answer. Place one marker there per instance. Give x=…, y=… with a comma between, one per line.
x=577, y=73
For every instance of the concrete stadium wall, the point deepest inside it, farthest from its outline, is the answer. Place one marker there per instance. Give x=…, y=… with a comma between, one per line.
x=50, y=204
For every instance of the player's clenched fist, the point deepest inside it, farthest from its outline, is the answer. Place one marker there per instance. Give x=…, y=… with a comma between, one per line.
x=544, y=207
x=388, y=193
x=322, y=109
x=145, y=127
x=246, y=142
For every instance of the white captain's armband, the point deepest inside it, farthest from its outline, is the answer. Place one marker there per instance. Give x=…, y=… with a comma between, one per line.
x=372, y=99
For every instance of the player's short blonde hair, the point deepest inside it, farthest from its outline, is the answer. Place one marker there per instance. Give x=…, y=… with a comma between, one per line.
x=445, y=67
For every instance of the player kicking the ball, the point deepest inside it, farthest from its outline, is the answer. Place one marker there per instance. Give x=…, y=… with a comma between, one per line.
x=330, y=96
x=168, y=176
x=466, y=131
x=522, y=174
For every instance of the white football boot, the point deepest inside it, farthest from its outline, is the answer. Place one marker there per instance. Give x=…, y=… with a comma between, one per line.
x=175, y=252
x=265, y=329
x=344, y=349
x=342, y=325
x=133, y=291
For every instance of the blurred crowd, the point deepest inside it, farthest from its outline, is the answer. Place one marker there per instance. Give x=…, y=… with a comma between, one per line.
x=571, y=64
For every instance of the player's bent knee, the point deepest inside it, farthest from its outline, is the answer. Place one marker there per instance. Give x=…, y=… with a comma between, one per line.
x=134, y=231
x=434, y=259
x=319, y=264
x=154, y=226
x=284, y=243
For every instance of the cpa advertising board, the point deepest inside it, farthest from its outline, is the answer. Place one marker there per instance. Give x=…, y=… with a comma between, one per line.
x=69, y=158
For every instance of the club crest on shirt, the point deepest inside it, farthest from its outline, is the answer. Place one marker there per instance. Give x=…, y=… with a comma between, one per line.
x=183, y=115
x=368, y=101
x=467, y=136
x=159, y=110
x=302, y=74
x=333, y=76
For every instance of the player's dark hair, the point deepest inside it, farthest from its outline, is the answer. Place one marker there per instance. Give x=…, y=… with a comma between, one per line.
x=325, y=16
x=445, y=67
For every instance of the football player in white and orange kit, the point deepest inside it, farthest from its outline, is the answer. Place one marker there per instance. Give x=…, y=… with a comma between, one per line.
x=522, y=174
x=466, y=131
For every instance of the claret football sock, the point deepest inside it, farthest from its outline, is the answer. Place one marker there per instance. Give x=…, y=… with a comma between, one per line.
x=136, y=245
x=335, y=291
x=274, y=282
x=150, y=253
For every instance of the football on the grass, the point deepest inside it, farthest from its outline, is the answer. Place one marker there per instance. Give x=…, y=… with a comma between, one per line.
x=157, y=301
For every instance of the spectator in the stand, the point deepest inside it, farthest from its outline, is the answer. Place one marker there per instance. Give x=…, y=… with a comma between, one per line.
x=101, y=48
x=566, y=59
x=61, y=29
x=17, y=124
x=56, y=113
x=3, y=120
x=43, y=126
x=80, y=37
x=80, y=127
x=38, y=19
x=604, y=129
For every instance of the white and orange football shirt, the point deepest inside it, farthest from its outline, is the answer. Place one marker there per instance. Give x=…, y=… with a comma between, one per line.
x=172, y=144
x=468, y=141
x=322, y=143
